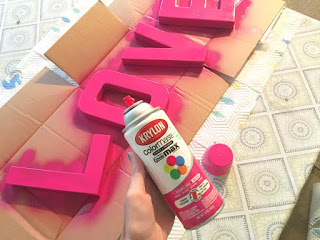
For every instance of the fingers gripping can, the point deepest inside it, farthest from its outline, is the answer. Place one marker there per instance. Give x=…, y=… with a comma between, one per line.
x=167, y=158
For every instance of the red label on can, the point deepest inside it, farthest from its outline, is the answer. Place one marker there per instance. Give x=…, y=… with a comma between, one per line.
x=151, y=132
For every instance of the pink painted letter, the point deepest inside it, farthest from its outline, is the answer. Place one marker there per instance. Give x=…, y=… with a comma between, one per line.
x=168, y=49
x=198, y=14
x=89, y=182
x=103, y=95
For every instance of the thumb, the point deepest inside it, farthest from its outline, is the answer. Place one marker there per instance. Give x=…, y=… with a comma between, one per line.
x=138, y=174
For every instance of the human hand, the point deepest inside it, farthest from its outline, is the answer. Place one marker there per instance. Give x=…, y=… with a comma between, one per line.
x=147, y=215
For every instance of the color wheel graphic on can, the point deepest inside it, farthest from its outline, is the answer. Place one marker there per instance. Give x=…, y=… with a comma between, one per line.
x=175, y=167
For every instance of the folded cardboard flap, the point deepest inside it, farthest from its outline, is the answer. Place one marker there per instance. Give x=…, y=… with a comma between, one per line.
x=87, y=42
x=23, y=115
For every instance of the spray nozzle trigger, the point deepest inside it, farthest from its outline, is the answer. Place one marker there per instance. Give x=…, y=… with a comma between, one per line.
x=128, y=100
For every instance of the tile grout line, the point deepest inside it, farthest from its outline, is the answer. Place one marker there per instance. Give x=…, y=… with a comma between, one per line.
x=296, y=69
x=282, y=152
x=39, y=2
x=308, y=33
x=2, y=20
x=243, y=200
x=30, y=23
x=291, y=154
x=15, y=53
x=307, y=86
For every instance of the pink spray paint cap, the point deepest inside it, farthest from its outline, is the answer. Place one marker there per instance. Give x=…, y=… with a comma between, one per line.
x=218, y=160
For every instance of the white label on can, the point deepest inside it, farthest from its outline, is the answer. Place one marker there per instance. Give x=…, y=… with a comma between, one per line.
x=163, y=151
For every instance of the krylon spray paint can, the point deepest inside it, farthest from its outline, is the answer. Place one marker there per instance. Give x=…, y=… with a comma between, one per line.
x=167, y=158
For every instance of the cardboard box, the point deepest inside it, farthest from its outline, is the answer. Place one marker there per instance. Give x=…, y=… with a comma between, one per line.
x=42, y=126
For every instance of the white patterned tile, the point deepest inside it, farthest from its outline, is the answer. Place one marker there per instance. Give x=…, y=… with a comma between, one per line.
x=187, y=235
x=51, y=9
x=25, y=12
x=287, y=62
x=286, y=90
x=44, y=28
x=266, y=184
x=18, y=39
x=224, y=228
x=228, y=189
x=8, y=63
x=256, y=139
x=298, y=130
x=258, y=70
x=177, y=230
x=307, y=49
x=269, y=225
x=1, y=13
x=260, y=107
x=301, y=166
x=89, y=3
x=313, y=78
x=308, y=25
x=197, y=150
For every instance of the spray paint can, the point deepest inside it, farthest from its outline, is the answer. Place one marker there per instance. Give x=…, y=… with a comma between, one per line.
x=178, y=175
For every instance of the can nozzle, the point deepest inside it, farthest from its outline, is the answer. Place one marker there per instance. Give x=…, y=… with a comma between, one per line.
x=128, y=100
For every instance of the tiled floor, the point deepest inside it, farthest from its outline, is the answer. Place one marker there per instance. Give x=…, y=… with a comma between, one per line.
x=297, y=225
